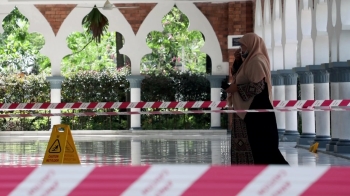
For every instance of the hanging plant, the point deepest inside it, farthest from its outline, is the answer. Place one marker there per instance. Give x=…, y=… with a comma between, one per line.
x=96, y=24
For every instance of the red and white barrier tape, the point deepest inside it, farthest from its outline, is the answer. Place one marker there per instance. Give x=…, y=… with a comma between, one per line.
x=169, y=112
x=186, y=104
x=201, y=180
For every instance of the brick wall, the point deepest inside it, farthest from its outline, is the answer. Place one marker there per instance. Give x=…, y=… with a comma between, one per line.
x=233, y=18
x=240, y=22
x=136, y=16
x=217, y=14
x=55, y=14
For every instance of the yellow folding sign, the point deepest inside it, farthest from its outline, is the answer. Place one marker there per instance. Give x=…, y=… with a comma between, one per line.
x=61, y=148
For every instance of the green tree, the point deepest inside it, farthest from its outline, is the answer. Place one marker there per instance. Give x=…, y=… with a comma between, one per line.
x=89, y=55
x=175, y=44
x=99, y=55
x=96, y=49
x=20, y=50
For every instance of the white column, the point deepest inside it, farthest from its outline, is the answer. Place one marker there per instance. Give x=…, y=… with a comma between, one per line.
x=306, y=79
x=278, y=60
x=55, y=85
x=277, y=49
x=321, y=39
x=215, y=152
x=135, y=152
x=306, y=45
x=135, y=120
x=321, y=75
x=290, y=34
x=279, y=89
x=305, y=76
x=335, y=29
x=267, y=35
x=290, y=80
x=343, y=146
x=135, y=96
x=55, y=98
x=290, y=61
x=344, y=38
x=215, y=95
x=321, y=80
x=335, y=115
x=291, y=94
x=258, y=22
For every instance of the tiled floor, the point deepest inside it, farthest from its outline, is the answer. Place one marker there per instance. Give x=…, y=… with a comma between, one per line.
x=126, y=150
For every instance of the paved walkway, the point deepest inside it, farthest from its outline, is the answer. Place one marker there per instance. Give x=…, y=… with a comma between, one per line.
x=302, y=157
x=153, y=149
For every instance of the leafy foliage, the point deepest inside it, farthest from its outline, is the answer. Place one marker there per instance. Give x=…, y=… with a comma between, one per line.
x=106, y=86
x=96, y=49
x=92, y=72
x=16, y=89
x=175, y=45
x=20, y=50
x=175, y=86
x=88, y=55
x=92, y=86
x=96, y=24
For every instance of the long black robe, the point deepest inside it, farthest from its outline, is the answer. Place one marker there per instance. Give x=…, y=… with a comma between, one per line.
x=255, y=139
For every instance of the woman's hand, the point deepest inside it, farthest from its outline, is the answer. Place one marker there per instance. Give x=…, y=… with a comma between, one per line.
x=237, y=54
x=232, y=89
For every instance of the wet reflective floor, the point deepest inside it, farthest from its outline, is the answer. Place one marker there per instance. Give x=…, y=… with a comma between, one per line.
x=135, y=150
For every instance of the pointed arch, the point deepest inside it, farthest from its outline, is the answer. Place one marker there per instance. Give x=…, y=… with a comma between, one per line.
x=4, y=9
x=199, y=22
x=153, y=22
x=39, y=24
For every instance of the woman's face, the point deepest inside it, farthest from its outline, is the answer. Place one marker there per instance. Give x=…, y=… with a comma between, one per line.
x=243, y=48
x=244, y=51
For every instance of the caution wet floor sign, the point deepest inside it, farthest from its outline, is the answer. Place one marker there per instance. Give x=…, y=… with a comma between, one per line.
x=61, y=148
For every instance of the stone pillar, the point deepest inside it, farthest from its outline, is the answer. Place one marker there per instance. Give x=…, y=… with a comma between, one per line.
x=55, y=86
x=305, y=76
x=343, y=145
x=258, y=22
x=321, y=81
x=321, y=40
x=135, y=96
x=335, y=129
x=278, y=61
x=267, y=35
x=135, y=152
x=308, y=118
x=215, y=152
x=277, y=48
x=334, y=77
x=334, y=33
x=279, y=94
x=306, y=43
x=215, y=95
x=290, y=34
x=290, y=81
x=321, y=75
x=344, y=38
